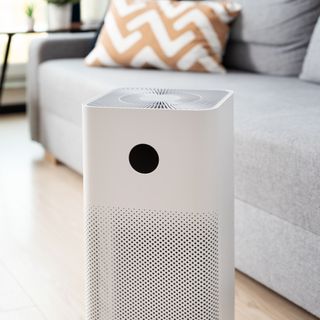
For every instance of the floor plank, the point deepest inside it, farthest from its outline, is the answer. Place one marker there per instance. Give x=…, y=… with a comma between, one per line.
x=12, y=295
x=41, y=239
x=254, y=301
x=22, y=314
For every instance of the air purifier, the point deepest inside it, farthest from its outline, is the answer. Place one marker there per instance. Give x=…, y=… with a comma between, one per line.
x=158, y=186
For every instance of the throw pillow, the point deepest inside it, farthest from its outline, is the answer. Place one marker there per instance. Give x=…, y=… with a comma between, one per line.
x=180, y=35
x=311, y=65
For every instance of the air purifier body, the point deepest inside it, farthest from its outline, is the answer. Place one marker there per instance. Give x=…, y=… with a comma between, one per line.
x=158, y=186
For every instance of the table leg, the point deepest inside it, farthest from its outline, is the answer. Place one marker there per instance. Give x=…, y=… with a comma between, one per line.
x=4, y=66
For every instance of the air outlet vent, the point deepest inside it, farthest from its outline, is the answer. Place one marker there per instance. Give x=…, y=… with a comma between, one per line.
x=160, y=105
x=161, y=99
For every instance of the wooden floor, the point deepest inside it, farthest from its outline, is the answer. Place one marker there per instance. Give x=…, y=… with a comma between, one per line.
x=41, y=240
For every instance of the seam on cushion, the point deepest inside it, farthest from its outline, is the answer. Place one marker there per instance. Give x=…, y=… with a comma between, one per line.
x=52, y=112
x=280, y=218
x=259, y=44
x=69, y=166
x=58, y=116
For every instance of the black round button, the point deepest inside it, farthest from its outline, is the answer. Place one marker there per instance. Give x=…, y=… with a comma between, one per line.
x=144, y=158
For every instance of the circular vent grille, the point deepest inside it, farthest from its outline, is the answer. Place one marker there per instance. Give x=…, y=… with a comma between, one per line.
x=159, y=98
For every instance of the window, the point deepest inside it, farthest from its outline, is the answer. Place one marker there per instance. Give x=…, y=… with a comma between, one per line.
x=12, y=17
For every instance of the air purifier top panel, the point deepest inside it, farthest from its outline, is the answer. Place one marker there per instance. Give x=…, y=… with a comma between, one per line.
x=161, y=99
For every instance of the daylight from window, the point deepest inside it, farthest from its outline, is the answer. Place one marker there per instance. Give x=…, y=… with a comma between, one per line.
x=12, y=18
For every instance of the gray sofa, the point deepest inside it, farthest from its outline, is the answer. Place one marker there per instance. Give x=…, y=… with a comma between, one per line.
x=277, y=149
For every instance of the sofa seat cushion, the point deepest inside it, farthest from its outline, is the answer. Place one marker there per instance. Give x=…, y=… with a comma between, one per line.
x=277, y=127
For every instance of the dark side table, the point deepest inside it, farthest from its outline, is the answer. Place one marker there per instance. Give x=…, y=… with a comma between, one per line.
x=74, y=28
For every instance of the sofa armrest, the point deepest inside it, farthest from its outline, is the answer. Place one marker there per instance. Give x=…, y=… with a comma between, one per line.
x=55, y=46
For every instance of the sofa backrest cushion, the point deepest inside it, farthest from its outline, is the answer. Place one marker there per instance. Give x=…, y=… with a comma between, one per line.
x=271, y=36
x=311, y=64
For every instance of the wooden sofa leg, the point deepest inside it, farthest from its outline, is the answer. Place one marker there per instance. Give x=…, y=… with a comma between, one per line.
x=51, y=158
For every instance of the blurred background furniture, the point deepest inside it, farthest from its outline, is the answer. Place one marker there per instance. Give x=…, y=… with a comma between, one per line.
x=10, y=33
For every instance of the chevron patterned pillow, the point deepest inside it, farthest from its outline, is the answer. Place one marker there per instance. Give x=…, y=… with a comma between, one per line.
x=177, y=35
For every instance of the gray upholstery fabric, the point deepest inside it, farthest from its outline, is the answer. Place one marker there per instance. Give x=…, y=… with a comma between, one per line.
x=276, y=126
x=54, y=47
x=271, y=36
x=311, y=65
x=284, y=257
x=62, y=138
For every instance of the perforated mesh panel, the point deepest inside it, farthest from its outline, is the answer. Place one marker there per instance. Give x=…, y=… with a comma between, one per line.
x=152, y=265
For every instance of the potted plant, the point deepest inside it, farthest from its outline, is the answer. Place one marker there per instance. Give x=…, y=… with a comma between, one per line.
x=29, y=11
x=59, y=13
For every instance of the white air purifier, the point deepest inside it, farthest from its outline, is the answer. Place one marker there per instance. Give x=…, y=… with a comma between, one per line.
x=158, y=185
